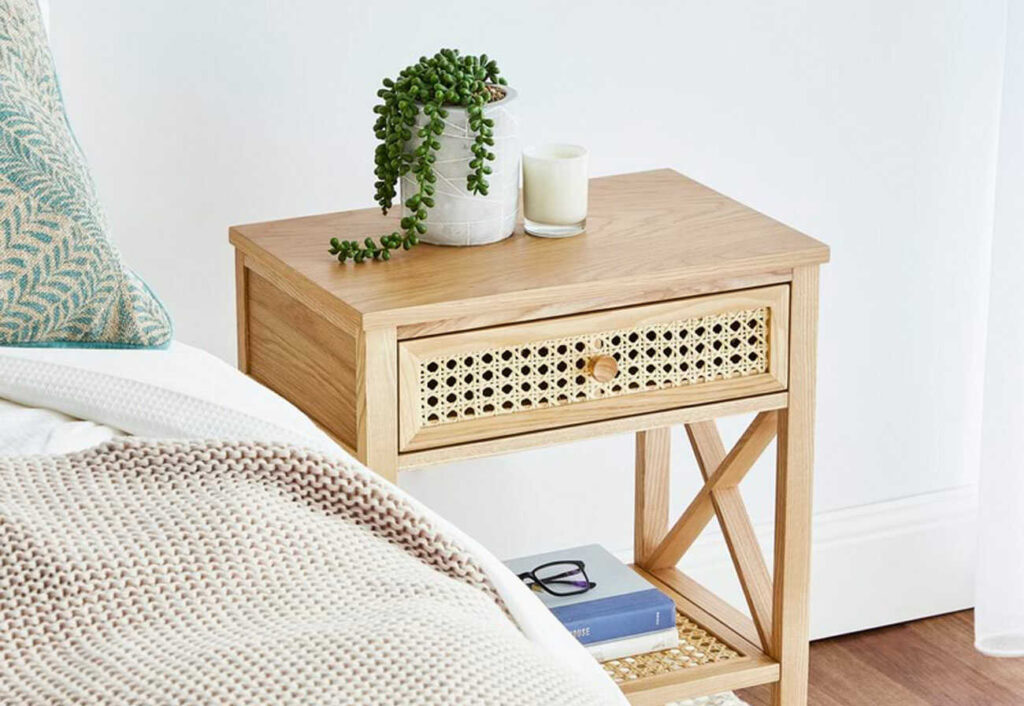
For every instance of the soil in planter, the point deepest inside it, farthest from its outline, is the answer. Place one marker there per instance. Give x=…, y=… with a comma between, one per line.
x=497, y=93
x=494, y=94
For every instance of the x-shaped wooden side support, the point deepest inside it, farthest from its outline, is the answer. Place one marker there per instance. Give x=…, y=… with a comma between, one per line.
x=721, y=496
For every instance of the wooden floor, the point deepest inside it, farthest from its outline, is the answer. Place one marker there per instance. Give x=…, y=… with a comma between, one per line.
x=929, y=662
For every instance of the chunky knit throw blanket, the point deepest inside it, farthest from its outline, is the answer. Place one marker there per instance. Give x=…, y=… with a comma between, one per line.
x=211, y=572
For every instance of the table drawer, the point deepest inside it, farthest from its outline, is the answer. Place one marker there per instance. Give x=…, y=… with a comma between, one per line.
x=527, y=377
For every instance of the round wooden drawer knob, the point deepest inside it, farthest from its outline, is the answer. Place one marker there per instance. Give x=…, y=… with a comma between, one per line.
x=602, y=368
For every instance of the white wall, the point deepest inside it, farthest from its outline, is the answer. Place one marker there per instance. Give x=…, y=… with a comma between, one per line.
x=871, y=125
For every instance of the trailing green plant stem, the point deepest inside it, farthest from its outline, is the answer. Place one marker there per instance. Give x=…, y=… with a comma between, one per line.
x=446, y=79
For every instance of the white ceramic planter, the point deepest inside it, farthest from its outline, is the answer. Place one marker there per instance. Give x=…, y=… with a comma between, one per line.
x=460, y=217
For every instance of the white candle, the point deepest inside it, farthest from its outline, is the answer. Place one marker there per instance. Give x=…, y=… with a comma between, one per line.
x=555, y=190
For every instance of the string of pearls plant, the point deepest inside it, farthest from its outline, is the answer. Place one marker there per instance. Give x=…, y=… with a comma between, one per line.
x=445, y=79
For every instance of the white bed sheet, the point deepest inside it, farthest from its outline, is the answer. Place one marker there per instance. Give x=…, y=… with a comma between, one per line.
x=31, y=430
x=63, y=400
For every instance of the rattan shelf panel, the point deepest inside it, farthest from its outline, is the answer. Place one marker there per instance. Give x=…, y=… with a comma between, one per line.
x=553, y=372
x=697, y=647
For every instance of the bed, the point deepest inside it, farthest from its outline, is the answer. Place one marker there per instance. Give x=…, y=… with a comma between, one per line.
x=176, y=533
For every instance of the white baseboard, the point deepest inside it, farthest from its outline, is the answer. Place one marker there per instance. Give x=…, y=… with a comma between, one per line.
x=872, y=565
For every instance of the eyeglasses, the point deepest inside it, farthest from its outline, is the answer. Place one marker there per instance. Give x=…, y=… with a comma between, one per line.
x=559, y=578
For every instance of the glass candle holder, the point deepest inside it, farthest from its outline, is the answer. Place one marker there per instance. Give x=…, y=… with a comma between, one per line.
x=555, y=190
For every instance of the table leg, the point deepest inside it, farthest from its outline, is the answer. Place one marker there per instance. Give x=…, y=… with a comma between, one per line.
x=377, y=401
x=793, y=497
x=650, y=516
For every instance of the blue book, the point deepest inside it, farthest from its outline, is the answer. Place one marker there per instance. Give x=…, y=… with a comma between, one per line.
x=622, y=604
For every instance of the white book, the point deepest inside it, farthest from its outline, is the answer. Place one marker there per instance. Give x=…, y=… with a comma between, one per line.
x=636, y=645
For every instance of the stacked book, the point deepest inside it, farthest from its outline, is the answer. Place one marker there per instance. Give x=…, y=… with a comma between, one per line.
x=622, y=615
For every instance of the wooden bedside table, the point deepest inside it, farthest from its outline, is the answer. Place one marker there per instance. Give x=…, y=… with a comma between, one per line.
x=678, y=306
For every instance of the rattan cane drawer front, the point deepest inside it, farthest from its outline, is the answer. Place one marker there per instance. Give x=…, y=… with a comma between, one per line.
x=526, y=377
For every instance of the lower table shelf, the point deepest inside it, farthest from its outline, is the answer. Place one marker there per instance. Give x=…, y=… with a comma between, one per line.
x=718, y=649
x=697, y=647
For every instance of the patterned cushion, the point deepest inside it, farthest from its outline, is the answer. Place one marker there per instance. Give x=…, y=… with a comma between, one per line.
x=62, y=282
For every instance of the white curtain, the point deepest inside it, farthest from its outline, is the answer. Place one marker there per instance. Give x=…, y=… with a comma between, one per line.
x=999, y=599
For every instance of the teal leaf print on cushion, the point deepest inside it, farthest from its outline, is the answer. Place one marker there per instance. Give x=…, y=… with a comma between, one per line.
x=62, y=282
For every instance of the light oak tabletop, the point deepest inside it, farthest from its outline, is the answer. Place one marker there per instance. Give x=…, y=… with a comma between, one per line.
x=650, y=235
